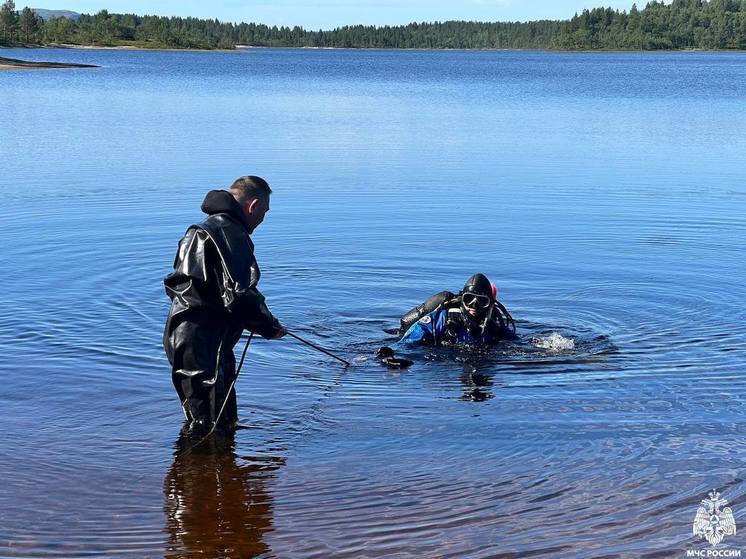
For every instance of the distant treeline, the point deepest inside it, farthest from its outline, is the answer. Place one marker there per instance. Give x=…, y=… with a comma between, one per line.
x=683, y=24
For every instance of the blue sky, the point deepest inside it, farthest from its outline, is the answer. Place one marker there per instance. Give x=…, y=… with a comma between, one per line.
x=325, y=14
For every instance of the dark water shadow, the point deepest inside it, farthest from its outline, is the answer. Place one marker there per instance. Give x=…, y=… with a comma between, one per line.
x=216, y=503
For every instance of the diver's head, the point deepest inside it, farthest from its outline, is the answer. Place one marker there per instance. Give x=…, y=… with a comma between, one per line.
x=477, y=298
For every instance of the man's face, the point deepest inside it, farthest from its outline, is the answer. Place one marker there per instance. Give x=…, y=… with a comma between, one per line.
x=255, y=210
x=476, y=305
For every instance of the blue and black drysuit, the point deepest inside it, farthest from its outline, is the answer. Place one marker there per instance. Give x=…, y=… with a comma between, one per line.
x=448, y=327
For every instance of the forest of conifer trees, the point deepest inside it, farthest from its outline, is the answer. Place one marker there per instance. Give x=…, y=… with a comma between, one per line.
x=682, y=24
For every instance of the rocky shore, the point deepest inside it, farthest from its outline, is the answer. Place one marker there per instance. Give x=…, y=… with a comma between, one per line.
x=14, y=64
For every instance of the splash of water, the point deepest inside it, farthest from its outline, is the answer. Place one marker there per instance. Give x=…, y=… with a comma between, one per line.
x=555, y=342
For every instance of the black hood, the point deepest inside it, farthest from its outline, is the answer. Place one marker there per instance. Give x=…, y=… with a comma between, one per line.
x=479, y=285
x=223, y=202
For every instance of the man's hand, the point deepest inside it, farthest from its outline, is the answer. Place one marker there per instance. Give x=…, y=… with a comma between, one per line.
x=280, y=332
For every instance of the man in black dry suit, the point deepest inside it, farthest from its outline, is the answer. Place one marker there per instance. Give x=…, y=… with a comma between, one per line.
x=214, y=297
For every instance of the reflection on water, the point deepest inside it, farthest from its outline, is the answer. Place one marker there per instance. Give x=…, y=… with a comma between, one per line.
x=217, y=503
x=477, y=386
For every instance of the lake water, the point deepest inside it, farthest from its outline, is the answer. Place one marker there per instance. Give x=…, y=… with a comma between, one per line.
x=605, y=194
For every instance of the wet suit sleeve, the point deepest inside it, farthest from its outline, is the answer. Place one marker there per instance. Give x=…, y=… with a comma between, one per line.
x=250, y=306
x=254, y=313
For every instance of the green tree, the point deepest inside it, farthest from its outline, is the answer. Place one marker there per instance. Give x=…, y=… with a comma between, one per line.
x=30, y=23
x=104, y=28
x=8, y=20
x=59, y=30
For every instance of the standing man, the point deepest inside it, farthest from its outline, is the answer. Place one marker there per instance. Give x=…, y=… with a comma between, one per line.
x=214, y=297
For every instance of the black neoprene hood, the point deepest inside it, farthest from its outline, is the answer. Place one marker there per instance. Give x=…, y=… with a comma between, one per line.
x=478, y=284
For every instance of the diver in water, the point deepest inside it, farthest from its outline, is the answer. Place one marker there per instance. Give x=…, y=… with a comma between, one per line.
x=472, y=317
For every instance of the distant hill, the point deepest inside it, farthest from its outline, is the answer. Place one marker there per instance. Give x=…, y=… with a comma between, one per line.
x=50, y=14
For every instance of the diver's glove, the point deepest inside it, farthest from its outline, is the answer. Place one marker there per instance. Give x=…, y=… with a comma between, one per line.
x=386, y=355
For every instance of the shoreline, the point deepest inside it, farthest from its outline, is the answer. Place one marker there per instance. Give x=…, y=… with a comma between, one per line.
x=239, y=48
x=126, y=47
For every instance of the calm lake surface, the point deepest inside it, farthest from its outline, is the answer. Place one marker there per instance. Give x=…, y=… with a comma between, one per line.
x=604, y=193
